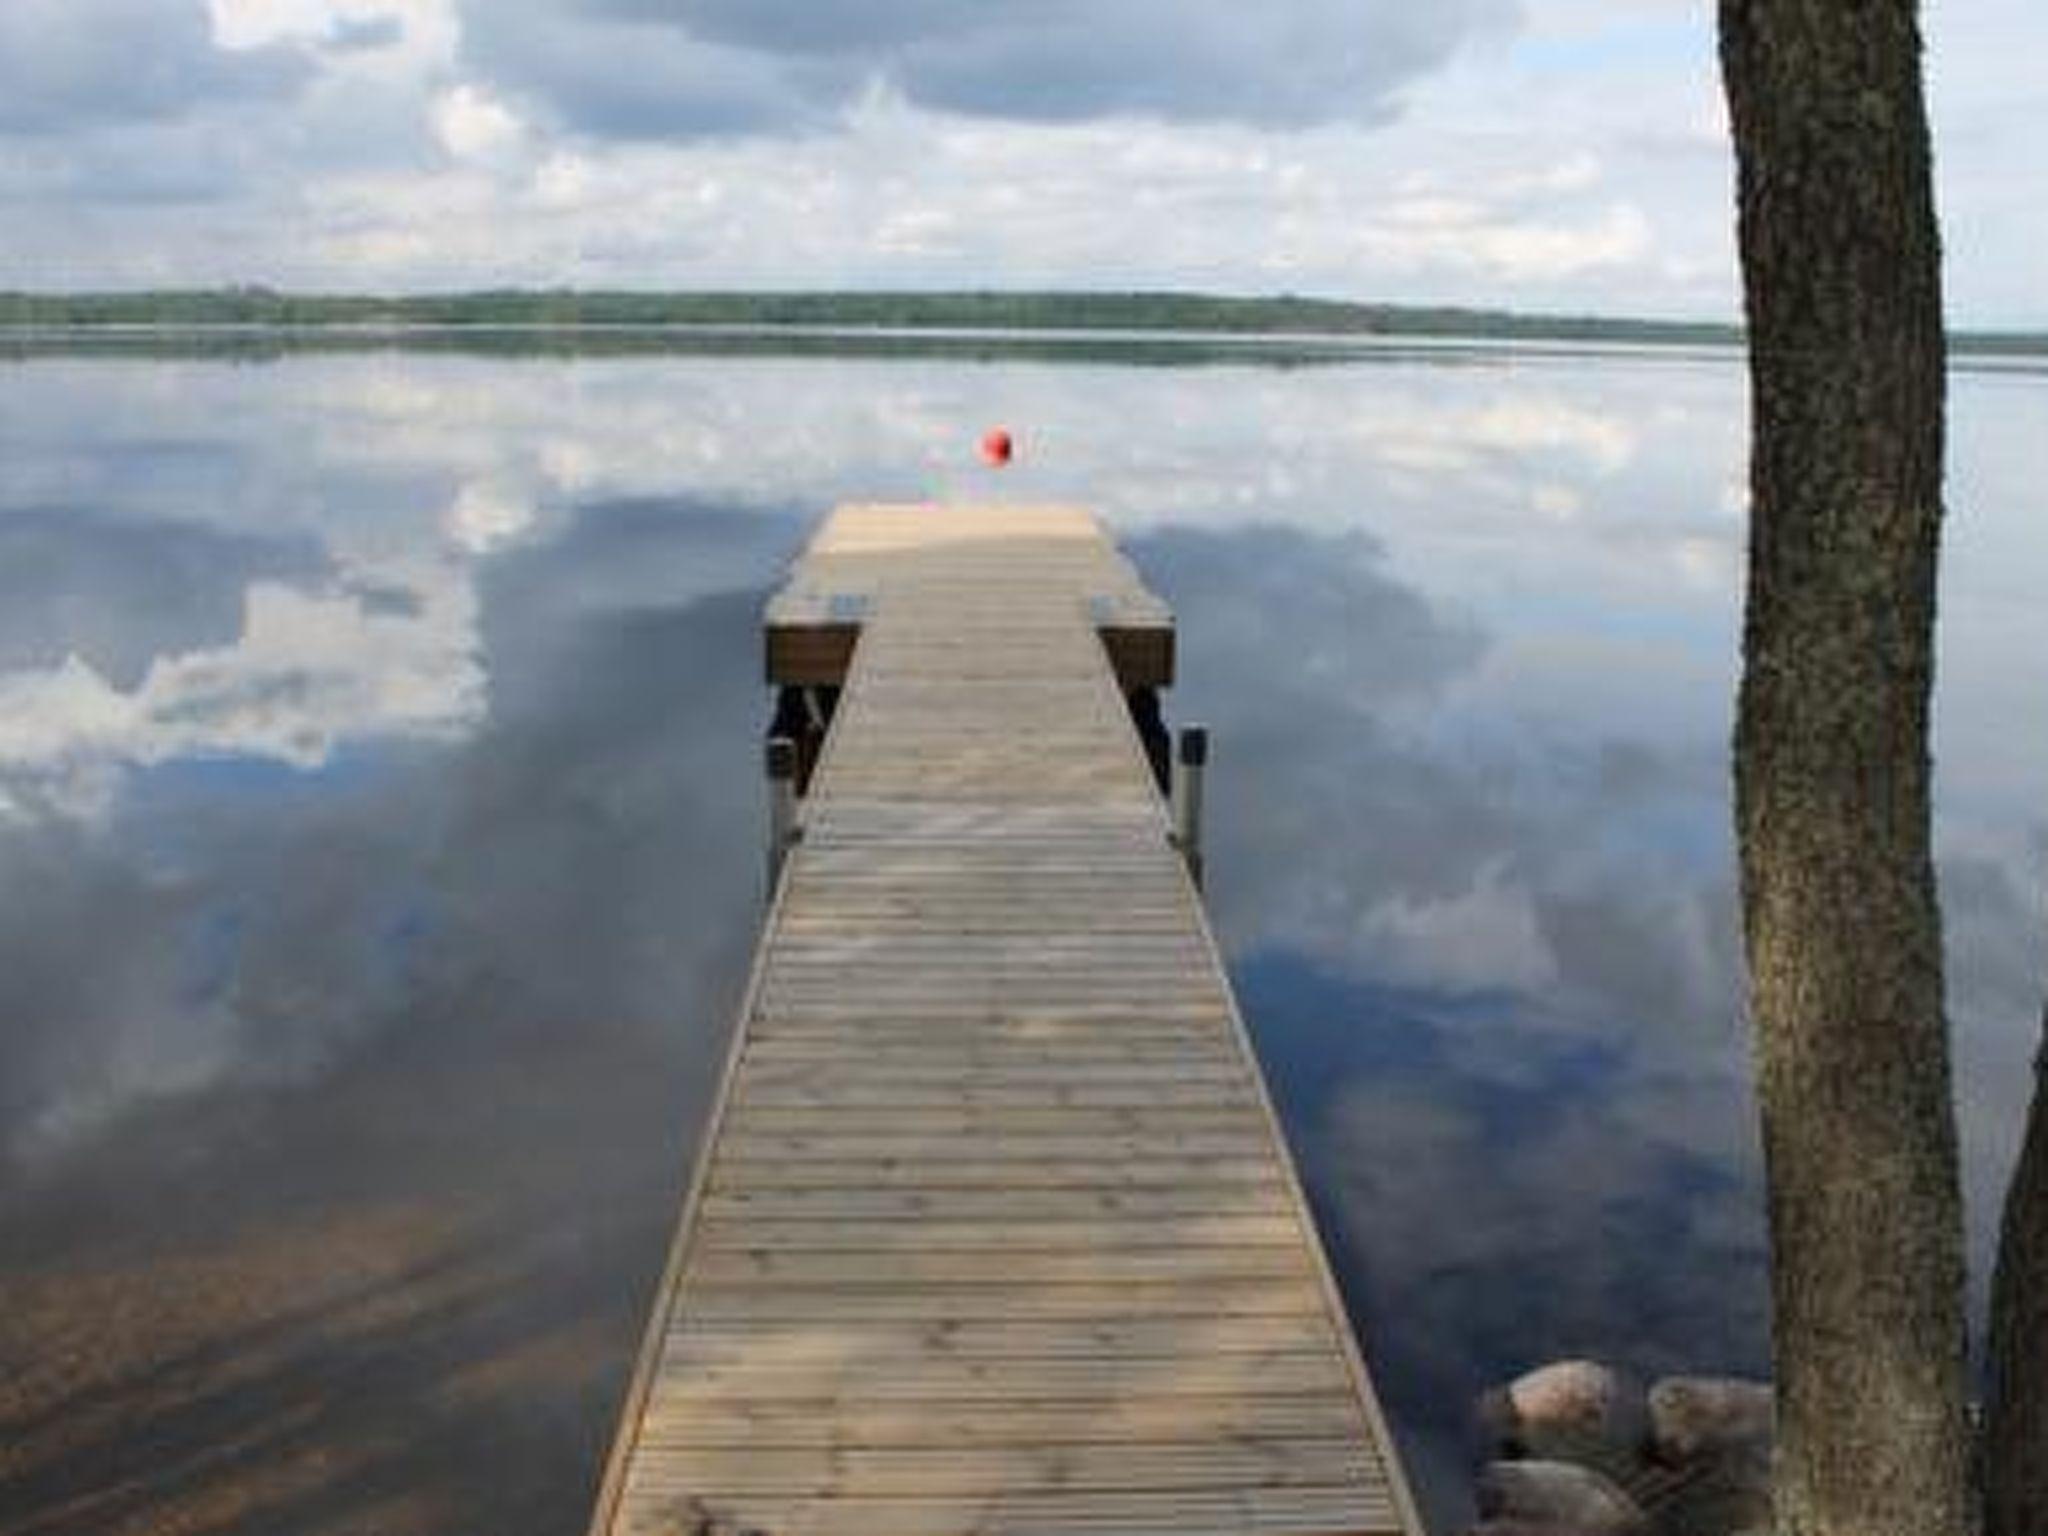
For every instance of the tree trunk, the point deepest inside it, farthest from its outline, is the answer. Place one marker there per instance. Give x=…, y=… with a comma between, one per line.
x=1841, y=270
x=2016, y=1391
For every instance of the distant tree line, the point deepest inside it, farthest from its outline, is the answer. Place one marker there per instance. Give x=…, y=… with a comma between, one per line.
x=568, y=309
x=1286, y=315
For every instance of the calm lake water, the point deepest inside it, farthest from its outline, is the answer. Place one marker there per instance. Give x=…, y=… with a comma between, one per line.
x=379, y=846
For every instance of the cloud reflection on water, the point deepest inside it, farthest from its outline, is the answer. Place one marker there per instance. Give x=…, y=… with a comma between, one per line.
x=407, y=849
x=363, y=1087
x=243, y=906
x=1493, y=979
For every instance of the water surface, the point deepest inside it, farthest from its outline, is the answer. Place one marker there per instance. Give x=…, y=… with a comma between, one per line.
x=379, y=860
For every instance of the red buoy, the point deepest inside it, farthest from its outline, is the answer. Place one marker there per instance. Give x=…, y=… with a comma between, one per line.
x=996, y=447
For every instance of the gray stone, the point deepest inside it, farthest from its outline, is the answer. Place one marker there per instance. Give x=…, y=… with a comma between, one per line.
x=1719, y=1502
x=1499, y=1425
x=1570, y=1410
x=1711, y=1418
x=1716, y=1433
x=1558, y=1494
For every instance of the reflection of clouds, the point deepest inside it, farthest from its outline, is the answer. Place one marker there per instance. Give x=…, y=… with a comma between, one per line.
x=1357, y=822
x=1497, y=1193
x=1532, y=427
x=485, y=515
x=1558, y=501
x=1997, y=977
x=1488, y=935
x=334, y=1105
x=1490, y=1230
x=369, y=492
x=1299, y=650
x=1365, y=817
x=580, y=861
x=1491, y=962
x=1396, y=444
x=1471, y=744
x=1711, y=564
x=309, y=669
x=1543, y=1144
x=120, y=593
x=1649, y=950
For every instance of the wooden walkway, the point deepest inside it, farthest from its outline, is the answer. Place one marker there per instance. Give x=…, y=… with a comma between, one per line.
x=993, y=1229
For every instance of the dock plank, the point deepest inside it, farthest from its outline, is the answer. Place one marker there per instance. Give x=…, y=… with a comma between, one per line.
x=1114, y=1418
x=1245, y=1512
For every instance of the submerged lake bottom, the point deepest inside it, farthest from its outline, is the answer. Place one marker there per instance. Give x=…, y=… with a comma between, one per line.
x=380, y=857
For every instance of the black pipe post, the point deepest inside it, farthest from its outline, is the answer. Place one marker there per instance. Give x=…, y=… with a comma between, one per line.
x=781, y=766
x=1187, y=798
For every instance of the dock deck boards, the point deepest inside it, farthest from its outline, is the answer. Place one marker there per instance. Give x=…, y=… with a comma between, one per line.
x=993, y=1230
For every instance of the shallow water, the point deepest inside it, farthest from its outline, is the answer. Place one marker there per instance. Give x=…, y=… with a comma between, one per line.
x=379, y=848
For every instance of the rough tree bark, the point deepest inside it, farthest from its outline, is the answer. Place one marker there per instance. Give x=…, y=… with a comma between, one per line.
x=1841, y=271
x=2016, y=1353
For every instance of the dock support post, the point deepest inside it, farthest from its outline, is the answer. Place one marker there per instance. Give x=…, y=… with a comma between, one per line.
x=1187, y=798
x=781, y=766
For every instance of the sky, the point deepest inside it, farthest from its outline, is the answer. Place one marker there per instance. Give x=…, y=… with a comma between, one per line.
x=1532, y=154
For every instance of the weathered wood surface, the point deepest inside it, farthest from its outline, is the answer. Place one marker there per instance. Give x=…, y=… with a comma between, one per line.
x=814, y=621
x=993, y=1230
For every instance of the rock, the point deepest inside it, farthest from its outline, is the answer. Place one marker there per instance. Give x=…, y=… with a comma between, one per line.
x=1718, y=1502
x=1500, y=1427
x=1716, y=1431
x=1558, y=1494
x=1699, y=1418
x=1571, y=1410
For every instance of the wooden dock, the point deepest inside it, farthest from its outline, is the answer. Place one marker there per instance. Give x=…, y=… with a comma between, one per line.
x=993, y=1228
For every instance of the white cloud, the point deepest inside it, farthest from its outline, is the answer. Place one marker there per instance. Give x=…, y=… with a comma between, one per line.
x=76, y=66
x=918, y=232
x=1441, y=235
x=474, y=125
x=625, y=69
x=1578, y=163
x=417, y=26
x=254, y=23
